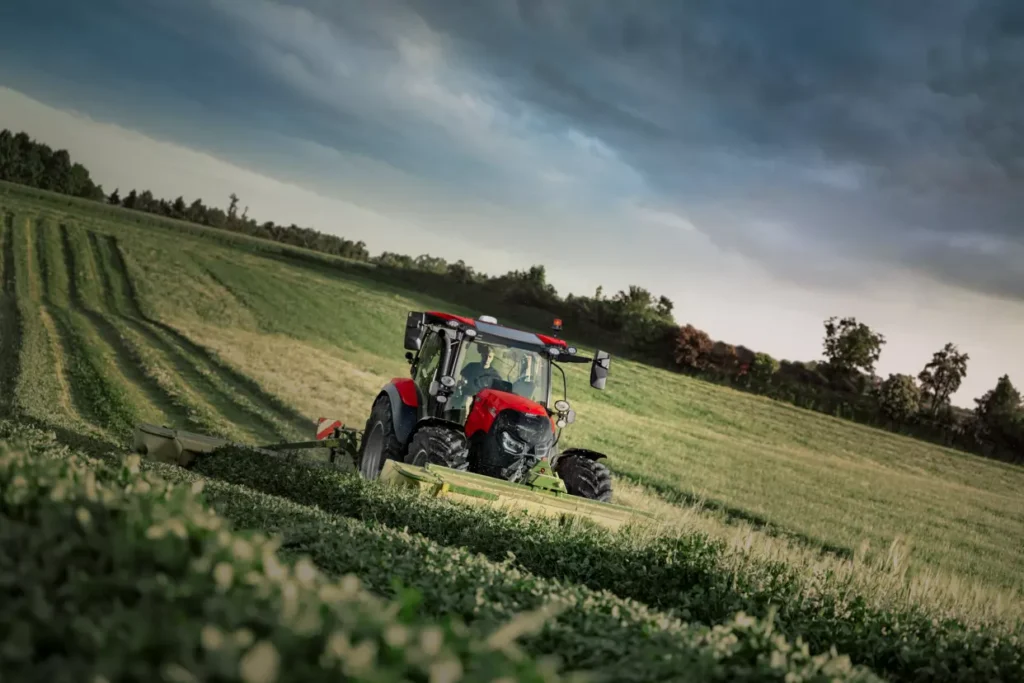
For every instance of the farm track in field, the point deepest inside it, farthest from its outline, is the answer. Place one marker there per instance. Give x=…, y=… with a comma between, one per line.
x=111, y=363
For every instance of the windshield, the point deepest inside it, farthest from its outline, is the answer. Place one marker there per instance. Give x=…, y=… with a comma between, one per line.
x=495, y=363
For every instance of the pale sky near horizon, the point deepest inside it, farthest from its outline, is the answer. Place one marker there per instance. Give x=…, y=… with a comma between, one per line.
x=763, y=168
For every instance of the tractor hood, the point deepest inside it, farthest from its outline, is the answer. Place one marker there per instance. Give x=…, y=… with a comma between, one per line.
x=490, y=403
x=495, y=401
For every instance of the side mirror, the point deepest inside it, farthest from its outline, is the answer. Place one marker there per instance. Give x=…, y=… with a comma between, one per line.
x=414, y=331
x=599, y=369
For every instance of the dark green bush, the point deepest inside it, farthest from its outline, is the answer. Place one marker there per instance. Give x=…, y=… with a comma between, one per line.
x=598, y=631
x=685, y=574
x=112, y=575
x=133, y=555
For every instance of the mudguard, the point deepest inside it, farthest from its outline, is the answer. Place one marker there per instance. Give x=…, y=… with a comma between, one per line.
x=402, y=413
x=583, y=452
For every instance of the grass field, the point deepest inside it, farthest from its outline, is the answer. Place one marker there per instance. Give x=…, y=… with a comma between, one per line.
x=109, y=318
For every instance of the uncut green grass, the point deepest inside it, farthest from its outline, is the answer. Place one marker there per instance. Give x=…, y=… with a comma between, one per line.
x=230, y=311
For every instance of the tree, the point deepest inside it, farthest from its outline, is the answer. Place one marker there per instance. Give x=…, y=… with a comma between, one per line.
x=998, y=416
x=723, y=357
x=460, y=272
x=115, y=197
x=851, y=346
x=763, y=368
x=131, y=201
x=899, y=397
x=233, y=207
x=693, y=347
x=664, y=307
x=1003, y=400
x=942, y=376
x=178, y=207
x=196, y=212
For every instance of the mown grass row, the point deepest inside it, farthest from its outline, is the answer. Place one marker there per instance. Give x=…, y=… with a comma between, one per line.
x=237, y=396
x=115, y=575
x=10, y=325
x=688, y=574
x=40, y=388
x=89, y=299
x=583, y=629
x=89, y=354
x=98, y=398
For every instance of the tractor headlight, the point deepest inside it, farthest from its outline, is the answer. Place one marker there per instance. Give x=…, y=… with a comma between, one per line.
x=511, y=444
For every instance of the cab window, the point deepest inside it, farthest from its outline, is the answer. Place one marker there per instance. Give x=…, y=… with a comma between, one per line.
x=429, y=361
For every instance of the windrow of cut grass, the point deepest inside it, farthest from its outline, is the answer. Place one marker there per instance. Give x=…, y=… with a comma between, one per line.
x=10, y=325
x=123, y=576
x=164, y=369
x=41, y=389
x=97, y=395
x=94, y=297
x=687, y=574
x=89, y=358
x=89, y=301
x=583, y=630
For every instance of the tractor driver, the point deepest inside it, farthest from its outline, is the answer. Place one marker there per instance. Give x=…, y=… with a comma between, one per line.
x=479, y=375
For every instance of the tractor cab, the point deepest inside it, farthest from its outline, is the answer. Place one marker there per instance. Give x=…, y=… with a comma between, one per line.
x=458, y=358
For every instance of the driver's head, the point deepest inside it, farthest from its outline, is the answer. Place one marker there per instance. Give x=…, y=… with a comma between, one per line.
x=486, y=355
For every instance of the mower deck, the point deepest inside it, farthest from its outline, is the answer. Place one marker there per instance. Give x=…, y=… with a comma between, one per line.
x=479, y=489
x=544, y=495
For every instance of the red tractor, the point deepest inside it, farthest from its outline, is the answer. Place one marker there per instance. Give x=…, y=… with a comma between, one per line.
x=479, y=399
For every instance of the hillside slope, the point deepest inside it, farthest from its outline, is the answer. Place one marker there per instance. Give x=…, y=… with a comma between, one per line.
x=116, y=318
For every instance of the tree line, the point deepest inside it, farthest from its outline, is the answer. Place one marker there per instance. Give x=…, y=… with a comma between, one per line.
x=632, y=320
x=846, y=385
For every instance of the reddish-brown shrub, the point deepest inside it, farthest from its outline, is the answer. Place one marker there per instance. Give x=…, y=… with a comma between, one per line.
x=693, y=348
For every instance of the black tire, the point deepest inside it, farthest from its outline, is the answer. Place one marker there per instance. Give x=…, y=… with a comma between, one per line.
x=585, y=478
x=438, y=445
x=380, y=442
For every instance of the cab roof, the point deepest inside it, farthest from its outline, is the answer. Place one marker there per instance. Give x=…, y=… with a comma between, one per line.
x=499, y=331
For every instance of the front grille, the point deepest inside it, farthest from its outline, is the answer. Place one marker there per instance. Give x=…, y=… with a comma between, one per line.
x=534, y=430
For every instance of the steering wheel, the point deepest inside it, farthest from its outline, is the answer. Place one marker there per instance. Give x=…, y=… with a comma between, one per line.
x=480, y=382
x=485, y=379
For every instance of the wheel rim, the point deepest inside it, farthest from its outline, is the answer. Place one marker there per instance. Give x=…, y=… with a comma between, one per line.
x=370, y=465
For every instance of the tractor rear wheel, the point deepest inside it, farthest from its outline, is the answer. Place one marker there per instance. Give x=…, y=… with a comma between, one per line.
x=585, y=478
x=438, y=445
x=380, y=442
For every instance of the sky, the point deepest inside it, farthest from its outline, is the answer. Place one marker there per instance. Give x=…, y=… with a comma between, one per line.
x=764, y=165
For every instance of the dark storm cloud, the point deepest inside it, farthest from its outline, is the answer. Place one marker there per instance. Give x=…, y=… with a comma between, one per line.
x=823, y=138
x=862, y=125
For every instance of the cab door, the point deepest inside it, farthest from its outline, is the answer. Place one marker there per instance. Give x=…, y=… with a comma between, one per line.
x=426, y=372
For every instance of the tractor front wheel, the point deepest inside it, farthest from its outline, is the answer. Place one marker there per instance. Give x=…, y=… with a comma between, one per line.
x=380, y=442
x=438, y=445
x=584, y=477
